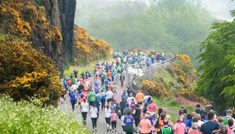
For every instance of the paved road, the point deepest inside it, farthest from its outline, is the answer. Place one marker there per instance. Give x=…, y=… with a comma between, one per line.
x=101, y=124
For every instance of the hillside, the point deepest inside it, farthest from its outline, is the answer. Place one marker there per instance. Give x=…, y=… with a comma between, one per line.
x=177, y=80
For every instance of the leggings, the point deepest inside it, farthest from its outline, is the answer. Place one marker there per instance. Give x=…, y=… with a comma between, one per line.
x=107, y=120
x=94, y=122
x=137, y=122
x=102, y=103
x=84, y=115
x=73, y=102
x=114, y=125
x=122, y=83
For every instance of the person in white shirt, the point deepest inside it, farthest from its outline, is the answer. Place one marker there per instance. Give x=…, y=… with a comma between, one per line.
x=198, y=117
x=109, y=96
x=94, y=116
x=129, y=99
x=84, y=110
x=78, y=83
x=146, y=97
x=107, y=117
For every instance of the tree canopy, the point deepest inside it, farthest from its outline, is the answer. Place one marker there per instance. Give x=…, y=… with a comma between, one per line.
x=177, y=26
x=217, y=81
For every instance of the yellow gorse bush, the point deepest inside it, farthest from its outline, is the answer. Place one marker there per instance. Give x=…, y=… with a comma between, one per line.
x=87, y=49
x=26, y=19
x=185, y=58
x=25, y=73
x=153, y=89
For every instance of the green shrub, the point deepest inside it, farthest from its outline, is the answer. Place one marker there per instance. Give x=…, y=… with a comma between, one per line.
x=24, y=73
x=27, y=118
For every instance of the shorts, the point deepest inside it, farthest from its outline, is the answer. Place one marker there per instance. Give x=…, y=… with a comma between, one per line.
x=90, y=103
x=123, y=127
x=109, y=100
x=140, y=103
x=107, y=120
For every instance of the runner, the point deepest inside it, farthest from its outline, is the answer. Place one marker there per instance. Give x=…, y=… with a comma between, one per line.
x=210, y=126
x=122, y=79
x=127, y=109
x=115, y=97
x=129, y=91
x=130, y=98
x=103, y=99
x=152, y=108
x=94, y=116
x=166, y=129
x=139, y=97
x=194, y=129
x=107, y=117
x=84, y=110
x=145, y=125
x=137, y=115
x=122, y=105
x=230, y=126
x=128, y=128
x=228, y=116
x=73, y=98
x=109, y=97
x=132, y=104
x=91, y=97
x=97, y=105
x=114, y=121
x=180, y=128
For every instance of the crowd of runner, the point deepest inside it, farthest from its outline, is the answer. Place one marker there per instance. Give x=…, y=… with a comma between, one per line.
x=97, y=91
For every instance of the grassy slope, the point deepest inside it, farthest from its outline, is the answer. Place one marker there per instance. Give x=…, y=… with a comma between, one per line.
x=84, y=68
x=28, y=118
x=170, y=104
x=169, y=78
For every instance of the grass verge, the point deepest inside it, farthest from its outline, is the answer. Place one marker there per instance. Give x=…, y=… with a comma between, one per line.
x=170, y=104
x=173, y=117
x=83, y=68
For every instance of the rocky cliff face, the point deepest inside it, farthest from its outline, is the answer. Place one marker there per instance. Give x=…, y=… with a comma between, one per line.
x=61, y=14
x=67, y=13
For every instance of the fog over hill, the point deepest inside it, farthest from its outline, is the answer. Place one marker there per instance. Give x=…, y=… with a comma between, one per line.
x=219, y=8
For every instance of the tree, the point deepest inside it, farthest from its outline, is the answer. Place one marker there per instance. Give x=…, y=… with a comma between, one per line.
x=217, y=81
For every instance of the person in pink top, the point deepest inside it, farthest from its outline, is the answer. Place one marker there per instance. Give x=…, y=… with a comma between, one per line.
x=194, y=129
x=180, y=127
x=230, y=126
x=114, y=96
x=145, y=125
x=152, y=108
x=114, y=121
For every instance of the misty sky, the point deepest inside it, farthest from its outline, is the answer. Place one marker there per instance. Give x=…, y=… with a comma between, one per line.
x=219, y=8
